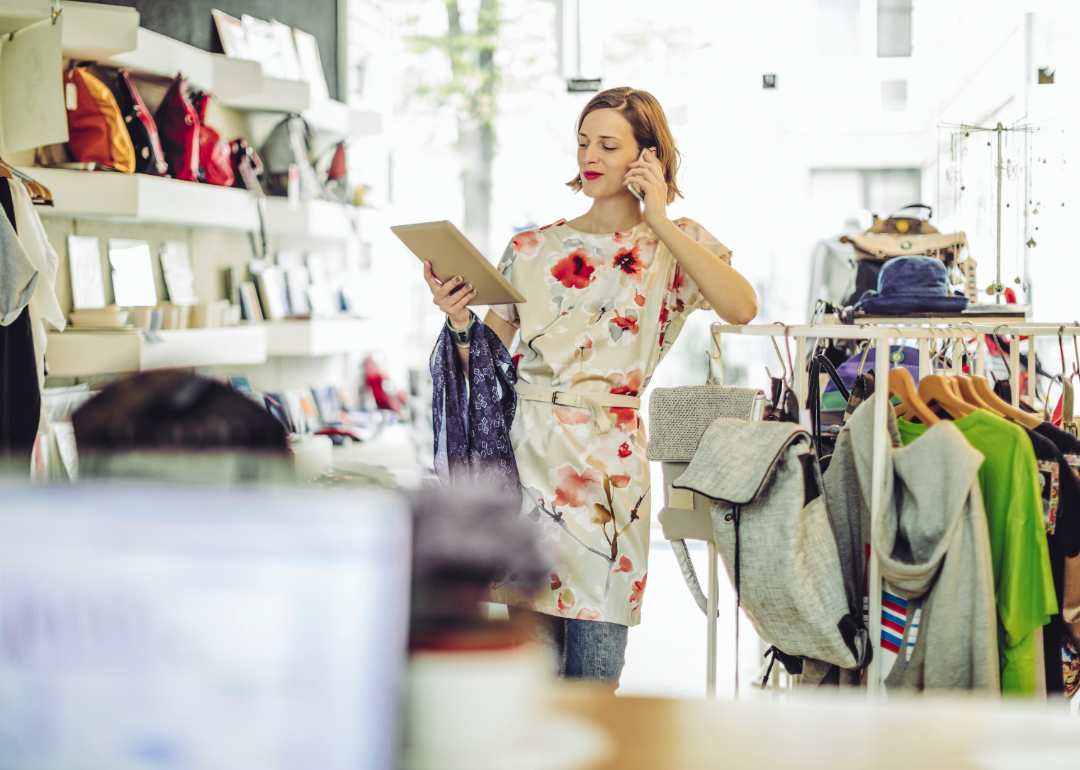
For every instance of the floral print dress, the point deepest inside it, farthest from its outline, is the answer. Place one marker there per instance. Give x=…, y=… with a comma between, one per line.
x=601, y=312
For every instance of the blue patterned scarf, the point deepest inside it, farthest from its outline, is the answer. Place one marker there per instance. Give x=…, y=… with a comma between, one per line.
x=472, y=420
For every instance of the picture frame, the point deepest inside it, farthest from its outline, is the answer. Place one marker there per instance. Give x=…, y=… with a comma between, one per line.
x=132, y=273
x=178, y=273
x=87, y=277
x=233, y=37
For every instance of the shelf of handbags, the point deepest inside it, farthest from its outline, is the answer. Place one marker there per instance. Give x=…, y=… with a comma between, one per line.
x=316, y=336
x=144, y=198
x=111, y=35
x=78, y=353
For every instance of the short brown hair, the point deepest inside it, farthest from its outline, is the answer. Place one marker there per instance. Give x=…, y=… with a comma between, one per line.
x=648, y=124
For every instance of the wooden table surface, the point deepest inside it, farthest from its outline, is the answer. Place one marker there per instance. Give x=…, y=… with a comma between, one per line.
x=828, y=732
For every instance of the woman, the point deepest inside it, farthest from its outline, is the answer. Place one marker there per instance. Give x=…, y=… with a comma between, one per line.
x=607, y=294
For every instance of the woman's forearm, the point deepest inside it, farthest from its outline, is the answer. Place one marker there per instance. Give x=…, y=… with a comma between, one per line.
x=503, y=329
x=729, y=294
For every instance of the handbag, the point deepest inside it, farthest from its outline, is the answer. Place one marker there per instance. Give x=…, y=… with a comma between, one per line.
x=899, y=235
x=178, y=127
x=149, y=157
x=678, y=418
x=215, y=155
x=247, y=168
x=96, y=129
x=287, y=157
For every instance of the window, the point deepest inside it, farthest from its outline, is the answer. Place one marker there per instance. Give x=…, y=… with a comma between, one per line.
x=838, y=27
x=893, y=95
x=894, y=27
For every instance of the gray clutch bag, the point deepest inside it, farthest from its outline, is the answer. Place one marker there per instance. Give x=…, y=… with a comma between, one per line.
x=678, y=417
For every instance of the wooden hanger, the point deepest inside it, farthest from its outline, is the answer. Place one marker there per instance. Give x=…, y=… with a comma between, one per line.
x=39, y=193
x=973, y=397
x=902, y=386
x=934, y=390
x=986, y=392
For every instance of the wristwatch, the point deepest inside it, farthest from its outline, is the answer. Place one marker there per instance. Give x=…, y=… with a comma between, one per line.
x=462, y=337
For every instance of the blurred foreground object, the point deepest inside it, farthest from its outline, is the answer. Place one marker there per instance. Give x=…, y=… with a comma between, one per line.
x=172, y=424
x=465, y=539
x=819, y=730
x=474, y=693
x=147, y=626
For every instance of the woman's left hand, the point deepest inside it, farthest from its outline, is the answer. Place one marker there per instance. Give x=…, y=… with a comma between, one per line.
x=647, y=173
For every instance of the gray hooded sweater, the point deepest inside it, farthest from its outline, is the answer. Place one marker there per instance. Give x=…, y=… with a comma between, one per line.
x=932, y=543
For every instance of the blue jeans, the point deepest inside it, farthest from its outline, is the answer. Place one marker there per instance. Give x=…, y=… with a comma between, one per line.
x=582, y=649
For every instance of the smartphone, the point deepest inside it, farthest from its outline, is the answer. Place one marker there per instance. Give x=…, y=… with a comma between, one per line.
x=633, y=187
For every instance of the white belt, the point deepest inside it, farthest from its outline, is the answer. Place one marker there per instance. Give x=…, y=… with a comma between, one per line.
x=582, y=399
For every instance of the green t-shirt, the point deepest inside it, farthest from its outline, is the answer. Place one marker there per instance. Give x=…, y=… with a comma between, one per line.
x=1023, y=582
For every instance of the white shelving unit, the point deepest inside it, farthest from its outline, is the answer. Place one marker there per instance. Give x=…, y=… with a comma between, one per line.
x=141, y=198
x=91, y=31
x=74, y=353
x=96, y=32
x=316, y=337
x=16, y=14
x=157, y=54
x=273, y=95
x=323, y=220
x=333, y=117
x=112, y=35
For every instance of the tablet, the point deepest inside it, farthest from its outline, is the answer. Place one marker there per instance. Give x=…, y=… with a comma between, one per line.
x=451, y=254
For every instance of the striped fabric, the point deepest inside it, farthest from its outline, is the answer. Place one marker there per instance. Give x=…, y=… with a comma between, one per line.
x=894, y=612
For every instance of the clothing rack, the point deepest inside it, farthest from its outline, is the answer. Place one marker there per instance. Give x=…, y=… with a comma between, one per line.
x=882, y=337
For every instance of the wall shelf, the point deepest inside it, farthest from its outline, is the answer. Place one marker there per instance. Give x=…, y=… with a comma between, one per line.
x=96, y=32
x=316, y=337
x=141, y=198
x=273, y=95
x=74, y=353
x=157, y=54
x=111, y=35
x=91, y=31
x=333, y=117
x=323, y=220
x=16, y=14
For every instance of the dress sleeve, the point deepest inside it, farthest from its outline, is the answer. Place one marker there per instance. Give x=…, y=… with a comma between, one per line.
x=683, y=294
x=507, y=312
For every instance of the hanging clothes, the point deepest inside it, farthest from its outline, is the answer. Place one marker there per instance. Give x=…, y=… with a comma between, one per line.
x=43, y=305
x=1061, y=517
x=1068, y=654
x=1023, y=580
x=20, y=391
x=933, y=546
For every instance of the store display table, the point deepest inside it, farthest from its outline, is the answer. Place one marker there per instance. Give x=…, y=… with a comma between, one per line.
x=830, y=731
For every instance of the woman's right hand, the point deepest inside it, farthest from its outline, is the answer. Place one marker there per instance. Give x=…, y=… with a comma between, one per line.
x=451, y=297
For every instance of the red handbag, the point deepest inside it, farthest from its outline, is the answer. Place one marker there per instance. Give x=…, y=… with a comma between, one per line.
x=215, y=155
x=178, y=127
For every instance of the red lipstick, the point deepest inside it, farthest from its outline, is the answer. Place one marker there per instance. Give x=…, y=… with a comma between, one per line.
x=590, y=175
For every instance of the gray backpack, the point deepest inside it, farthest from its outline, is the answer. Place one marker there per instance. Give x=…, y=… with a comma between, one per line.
x=772, y=530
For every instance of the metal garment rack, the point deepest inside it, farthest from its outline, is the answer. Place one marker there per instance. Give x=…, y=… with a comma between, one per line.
x=882, y=338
